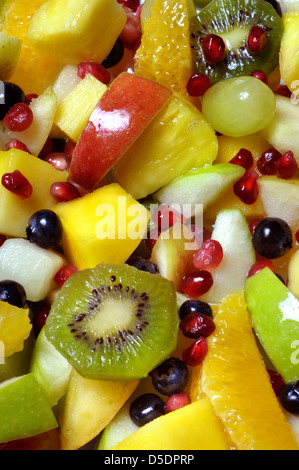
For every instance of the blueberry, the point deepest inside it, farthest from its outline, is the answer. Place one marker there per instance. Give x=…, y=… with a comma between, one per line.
x=10, y=94
x=170, y=377
x=289, y=397
x=13, y=293
x=195, y=306
x=145, y=408
x=272, y=238
x=44, y=228
x=143, y=265
x=115, y=55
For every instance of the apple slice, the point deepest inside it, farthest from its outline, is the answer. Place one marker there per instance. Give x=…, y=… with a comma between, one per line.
x=275, y=315
x=50, y=368
x=25, y=410
x=19, y=363
x=232, y=232
x=280, y=198
x=123, y=112
x=200, y=187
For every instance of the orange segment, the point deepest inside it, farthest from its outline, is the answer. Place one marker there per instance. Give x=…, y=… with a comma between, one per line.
x=34, y=72
x=236, y=381
x=165, y=53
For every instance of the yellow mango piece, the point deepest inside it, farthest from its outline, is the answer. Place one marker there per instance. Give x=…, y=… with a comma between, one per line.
x=104, y=226
x=230, y=146
x=88, y=408
x=73, y=112
x=73, y=31
x=193, y=427
x=15, y=212
x=289, y=51
x=15, y=327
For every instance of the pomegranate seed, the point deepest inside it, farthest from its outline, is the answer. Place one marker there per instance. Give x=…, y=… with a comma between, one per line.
x=260, y=75
x=177, y=401
x=257, y=39
x=209, y=256
x=213, y=48
x=63, y=192
x=297, y=236
x=253, y=225
x=130, y=36
x=132, y=4
x=64, y=273
x=151, y=239
x=16, y=183
x=2, y=239
x=276, y=380
x=267, y=163
x=40, y=318
x=198, y=84
x=259, y=265
x=165, y=217
x=286, y=165
x=201, y=234
x=95, y=69
x=29, y=98
x=60, y=161
x=283, y=90
x=195, y=325
x=246, y=188
x=19, y=118
x=69, y=148
x=16, y=144
x=47, y=148
x=195, y=354
x=243, y=158
x=196, y=284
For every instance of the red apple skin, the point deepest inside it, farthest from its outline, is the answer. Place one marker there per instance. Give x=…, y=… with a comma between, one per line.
x=123, y=112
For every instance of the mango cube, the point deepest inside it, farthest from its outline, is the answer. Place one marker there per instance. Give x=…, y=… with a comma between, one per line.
x=15, y=212
x=73, y=112
x=104, y=226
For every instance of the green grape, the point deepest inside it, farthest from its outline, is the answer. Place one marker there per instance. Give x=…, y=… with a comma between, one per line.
x=238, y=106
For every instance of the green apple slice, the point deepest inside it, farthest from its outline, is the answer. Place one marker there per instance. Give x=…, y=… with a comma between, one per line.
x=10, y=49
x=19, y=363
x=25, y=410
x=280, y=198
x=275, y=315
x=50, y=368
x=201, y=186
x=232, y=232
x=117, y=430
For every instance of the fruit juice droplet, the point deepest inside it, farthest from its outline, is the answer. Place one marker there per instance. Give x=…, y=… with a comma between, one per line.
x=16, y=183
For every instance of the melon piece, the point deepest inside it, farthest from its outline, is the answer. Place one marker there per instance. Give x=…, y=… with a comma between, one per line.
x=33, y=267
x=66, y=82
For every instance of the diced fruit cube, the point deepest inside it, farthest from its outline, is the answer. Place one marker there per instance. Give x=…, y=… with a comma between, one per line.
x=104, y=226
x=15, y=327
x=289, y=55
x=33, y=267
x=196, y=428
x=66, y=82
x=177, y=140
x=43, y=109
x=230, y=146
x=24, y=409
x=73, y=112
x=68, y=31
x=89, y=406
x=15, y=212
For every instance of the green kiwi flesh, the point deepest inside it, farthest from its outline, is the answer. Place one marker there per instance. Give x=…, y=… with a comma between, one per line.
x=232, y=20
x=114, y=322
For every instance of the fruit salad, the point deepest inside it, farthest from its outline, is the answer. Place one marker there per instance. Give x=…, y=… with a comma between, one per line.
x=149, y=225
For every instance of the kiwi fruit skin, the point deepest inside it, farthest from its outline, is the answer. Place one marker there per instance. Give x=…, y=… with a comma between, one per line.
x=127, y=352
x=232, y=20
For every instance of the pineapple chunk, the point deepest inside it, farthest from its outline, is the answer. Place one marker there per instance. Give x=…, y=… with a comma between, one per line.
x=104, y=226
x=177, y=140
x=15, y=212
x=31, y=266
x=73, y=112
x=15, y=327
x=289, y=52
x=72, y=31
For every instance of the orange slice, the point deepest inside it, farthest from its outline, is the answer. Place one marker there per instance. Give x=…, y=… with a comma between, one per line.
x=165, y=53
x=34, y=72
x=235, y=379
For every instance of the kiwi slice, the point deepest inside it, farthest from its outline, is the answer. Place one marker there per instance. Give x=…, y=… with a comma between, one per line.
x=232, y=20
x=114, y=322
